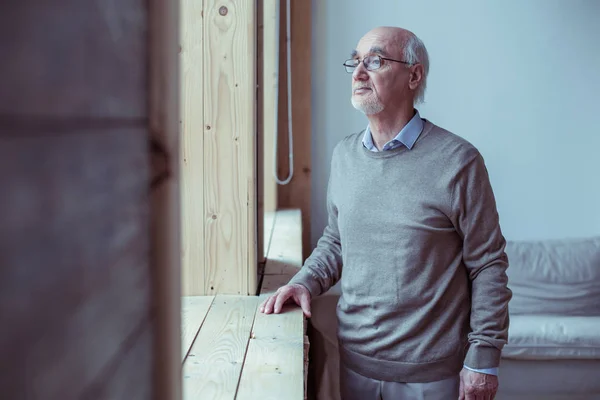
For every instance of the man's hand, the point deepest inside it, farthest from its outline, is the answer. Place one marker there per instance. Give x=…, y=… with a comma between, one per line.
x=477, y=386
x=298, y=293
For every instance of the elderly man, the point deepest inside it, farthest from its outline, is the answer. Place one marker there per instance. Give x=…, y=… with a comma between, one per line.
x=414, y=235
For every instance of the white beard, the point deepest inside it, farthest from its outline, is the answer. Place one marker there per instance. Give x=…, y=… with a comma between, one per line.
x=367, y=104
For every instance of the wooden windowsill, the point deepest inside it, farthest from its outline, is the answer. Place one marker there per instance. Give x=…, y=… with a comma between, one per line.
x=231, y=350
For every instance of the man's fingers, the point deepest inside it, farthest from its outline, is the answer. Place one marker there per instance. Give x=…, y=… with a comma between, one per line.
x=305, y=304
x=275, y=302
x=270, y=303
x=470, y=393
x=261, y=308
x=282, y=297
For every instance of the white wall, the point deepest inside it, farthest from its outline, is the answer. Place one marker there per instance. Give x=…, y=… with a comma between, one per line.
x=519, y=79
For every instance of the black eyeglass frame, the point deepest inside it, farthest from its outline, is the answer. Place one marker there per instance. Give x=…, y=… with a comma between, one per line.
x=365, y=64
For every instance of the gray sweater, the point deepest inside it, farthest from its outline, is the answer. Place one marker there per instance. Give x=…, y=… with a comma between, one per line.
x=414, y=236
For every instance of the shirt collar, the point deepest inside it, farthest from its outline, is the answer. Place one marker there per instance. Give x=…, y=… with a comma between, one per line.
x=407, y=136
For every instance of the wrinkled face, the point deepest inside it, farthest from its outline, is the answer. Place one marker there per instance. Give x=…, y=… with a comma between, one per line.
x=374, y=91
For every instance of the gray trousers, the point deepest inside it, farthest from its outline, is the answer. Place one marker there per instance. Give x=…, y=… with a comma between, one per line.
x=354, y=386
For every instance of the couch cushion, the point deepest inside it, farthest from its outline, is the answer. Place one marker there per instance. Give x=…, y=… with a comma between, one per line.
x=544, y=337
x=558, y=277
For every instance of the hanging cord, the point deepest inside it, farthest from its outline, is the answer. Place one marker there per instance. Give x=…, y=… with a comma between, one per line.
x=289, y=99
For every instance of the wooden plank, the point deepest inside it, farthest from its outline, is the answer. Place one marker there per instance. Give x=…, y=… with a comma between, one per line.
x=269, y=97
x=193, y=217
x=74, y=230
x=229, y=146
x=285, y=250
x=165, y=224
x=274, y=366
x=73, y=59
x=284, y=259
x=213, y=367
x=297, y=194
x=193, y=313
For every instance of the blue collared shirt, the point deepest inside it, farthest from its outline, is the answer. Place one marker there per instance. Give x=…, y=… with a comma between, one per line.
x=407, y=137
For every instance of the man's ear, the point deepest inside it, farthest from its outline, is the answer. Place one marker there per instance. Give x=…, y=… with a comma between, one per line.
x=416, y=76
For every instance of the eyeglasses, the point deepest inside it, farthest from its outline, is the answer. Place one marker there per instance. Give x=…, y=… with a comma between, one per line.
x=371, y=63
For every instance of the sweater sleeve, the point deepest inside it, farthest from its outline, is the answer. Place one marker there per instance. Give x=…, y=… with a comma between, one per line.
x=477, y=222
x=323, y=268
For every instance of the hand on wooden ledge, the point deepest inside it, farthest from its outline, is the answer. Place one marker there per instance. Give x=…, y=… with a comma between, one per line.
x=285, y=294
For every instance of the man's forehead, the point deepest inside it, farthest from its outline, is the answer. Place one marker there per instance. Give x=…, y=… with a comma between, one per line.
x=383, y=41
x=374, y=49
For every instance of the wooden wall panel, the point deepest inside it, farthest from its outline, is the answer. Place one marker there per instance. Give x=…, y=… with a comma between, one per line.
x=89, y=251
x=218, y=150
x=74, y=255
x=298, y=192
x=229, y=147
x=192, y=148
x=73, y=58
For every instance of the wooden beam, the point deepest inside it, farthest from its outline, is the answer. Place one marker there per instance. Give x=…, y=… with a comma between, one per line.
x=229, y=147
x=165, y=227
x=297, y=193
x=192, y=148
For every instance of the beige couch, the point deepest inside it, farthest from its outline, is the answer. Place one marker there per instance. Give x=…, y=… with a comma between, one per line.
x=554, y=337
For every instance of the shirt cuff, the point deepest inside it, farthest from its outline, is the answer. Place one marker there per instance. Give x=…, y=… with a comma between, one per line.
x=488, y=371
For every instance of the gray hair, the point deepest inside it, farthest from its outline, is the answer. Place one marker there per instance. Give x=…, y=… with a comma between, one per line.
x=416, y=53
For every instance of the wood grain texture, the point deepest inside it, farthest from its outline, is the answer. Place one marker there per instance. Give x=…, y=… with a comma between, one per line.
x=73, y=59
x=74, y=249
x=165, y=199
x=213, y=367
x=284, y=260
x=229, y=146
x=193, y=216
x=270, y=86
x=274, y=366
x=297, y=193
x=193, y=312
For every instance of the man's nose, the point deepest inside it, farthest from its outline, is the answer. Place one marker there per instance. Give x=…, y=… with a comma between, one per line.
x=360, y=72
